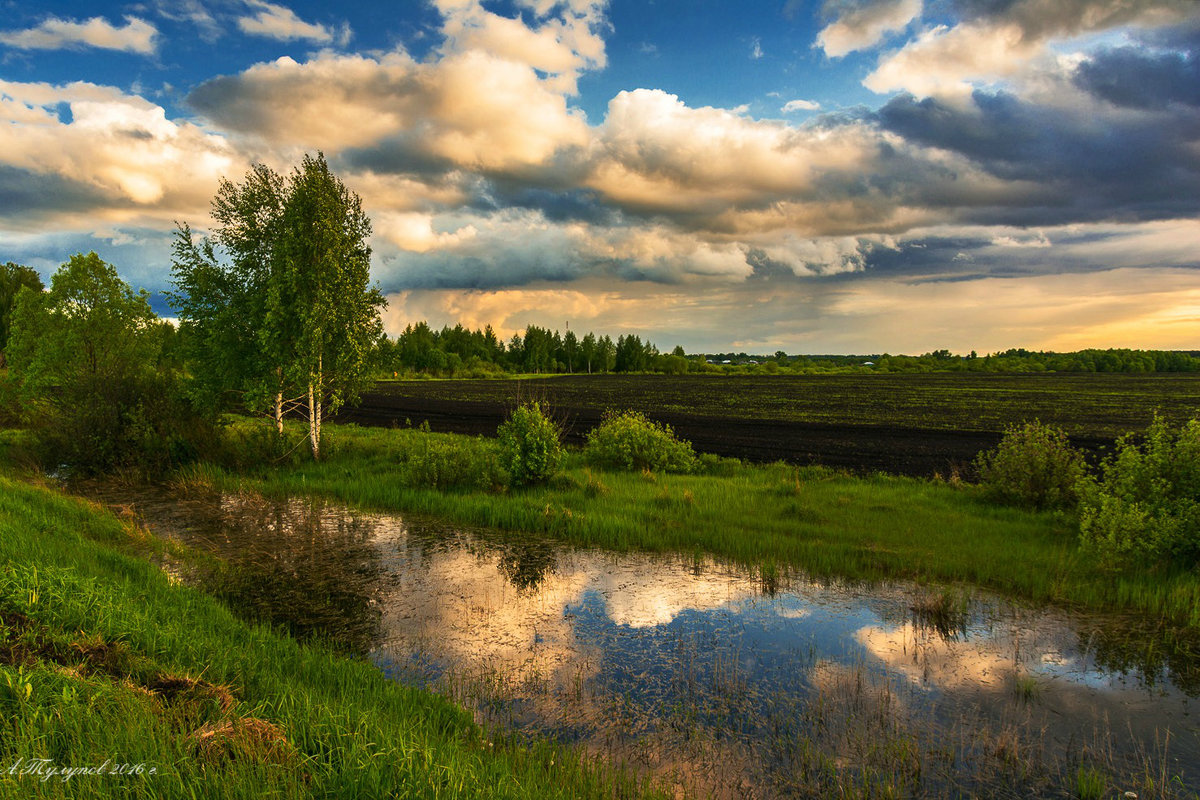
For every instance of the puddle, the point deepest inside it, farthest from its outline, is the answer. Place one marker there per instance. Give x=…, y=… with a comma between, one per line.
x=691, y=670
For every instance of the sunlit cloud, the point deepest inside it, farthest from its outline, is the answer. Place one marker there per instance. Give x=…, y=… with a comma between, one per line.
x=279, y=22
x=861, y=24
x=136, y=36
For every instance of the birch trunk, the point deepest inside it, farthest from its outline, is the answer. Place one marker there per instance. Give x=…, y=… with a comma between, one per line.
x=314, y=411
x=279, y=403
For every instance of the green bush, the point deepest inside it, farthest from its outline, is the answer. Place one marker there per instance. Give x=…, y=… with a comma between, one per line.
x=531, y=448
x=444, y=462
x=1145, y=505
x=631, y=441
x=1034, y=466
x=248, y=443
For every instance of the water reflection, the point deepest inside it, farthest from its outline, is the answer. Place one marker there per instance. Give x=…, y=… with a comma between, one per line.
x=687, y=668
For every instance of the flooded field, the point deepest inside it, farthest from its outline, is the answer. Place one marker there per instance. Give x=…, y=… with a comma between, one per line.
x=716, y=679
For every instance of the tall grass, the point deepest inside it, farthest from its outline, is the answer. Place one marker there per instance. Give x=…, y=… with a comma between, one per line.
x=102, y=657
x=820, y=521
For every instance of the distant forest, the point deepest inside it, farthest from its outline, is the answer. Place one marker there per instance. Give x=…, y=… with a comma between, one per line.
x=461, y=352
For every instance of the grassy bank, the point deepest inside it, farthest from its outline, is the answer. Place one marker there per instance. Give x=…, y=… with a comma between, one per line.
x=773, y=516
x=104, y=658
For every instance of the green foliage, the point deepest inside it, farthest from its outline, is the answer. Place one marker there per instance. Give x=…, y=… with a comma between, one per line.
x=323, y=288
x=13, y=278
x=631, y=441
x=290, y=320
x=84, y=363
x=1145, y=505
x=531, y=448
x=433, y=461
x=1034, y=466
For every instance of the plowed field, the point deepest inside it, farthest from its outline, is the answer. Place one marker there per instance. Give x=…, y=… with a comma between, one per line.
x=907, y=424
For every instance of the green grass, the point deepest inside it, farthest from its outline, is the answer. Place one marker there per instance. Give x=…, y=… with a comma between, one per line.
x=104, y=657
x=824, y=523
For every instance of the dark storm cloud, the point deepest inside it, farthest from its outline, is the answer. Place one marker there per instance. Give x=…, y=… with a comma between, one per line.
x=1133, y=78
x=400, y=155
x=567, y=205
x=1085, y=169
x=24, y=193
x=1039, y=19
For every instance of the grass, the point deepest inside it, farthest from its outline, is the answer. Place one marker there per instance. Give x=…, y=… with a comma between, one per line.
x=821, y=522
x=103, y=658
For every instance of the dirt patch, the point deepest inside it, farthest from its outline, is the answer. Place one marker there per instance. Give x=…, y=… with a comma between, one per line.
x=182, y=689
x=243, y=739
x=25, y=641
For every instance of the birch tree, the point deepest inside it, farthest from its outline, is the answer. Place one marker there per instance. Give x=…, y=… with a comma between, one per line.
x=289, y=321
x=322, y=297
x=222, y=304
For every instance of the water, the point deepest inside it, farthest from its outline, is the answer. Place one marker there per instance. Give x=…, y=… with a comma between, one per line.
x=703, y=673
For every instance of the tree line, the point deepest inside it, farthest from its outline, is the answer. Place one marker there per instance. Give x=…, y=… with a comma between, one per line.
x=463, y=352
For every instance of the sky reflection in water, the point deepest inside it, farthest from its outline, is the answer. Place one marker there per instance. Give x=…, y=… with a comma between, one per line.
x=684, y=666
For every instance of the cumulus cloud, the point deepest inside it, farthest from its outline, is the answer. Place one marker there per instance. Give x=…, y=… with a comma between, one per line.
x=137, y=35
x=996, y=41
x=279, y=22
x=861, y=24
x=1078, y=162
x=116, y=150
x=656, y=155
x=455, y=110
x=1133, y=78
x=565, y=39
x=800, y=105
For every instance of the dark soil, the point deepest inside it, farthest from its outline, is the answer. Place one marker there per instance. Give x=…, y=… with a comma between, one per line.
x=898, y=449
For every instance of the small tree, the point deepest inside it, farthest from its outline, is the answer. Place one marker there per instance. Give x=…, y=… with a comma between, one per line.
x=13, y=278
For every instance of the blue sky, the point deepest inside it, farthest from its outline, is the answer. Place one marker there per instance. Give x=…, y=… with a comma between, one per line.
x=846, y=175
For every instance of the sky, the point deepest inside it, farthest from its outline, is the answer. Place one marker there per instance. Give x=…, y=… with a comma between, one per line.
x=836, y=176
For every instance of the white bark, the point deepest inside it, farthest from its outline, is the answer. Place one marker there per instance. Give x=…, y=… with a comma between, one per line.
x=315, y=390
x=279, y=403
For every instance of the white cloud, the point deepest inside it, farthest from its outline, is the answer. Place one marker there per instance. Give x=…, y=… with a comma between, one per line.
x=860, y=26
x=121, y=147
x=756, y=51
x=278, y=22
x=137, y=36
x=458, y=110
x=565, y=39
x=946, y=60
x=800, y=105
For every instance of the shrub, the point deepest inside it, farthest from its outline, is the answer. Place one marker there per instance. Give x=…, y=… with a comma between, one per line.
x=1145, y=505
x=531, y=448
x=631, y=441
x=1034, y=465
x=436, y=462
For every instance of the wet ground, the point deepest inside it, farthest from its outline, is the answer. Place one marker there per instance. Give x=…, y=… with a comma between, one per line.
x=709, y=676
